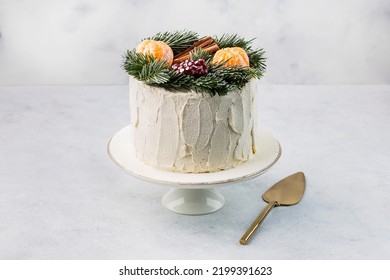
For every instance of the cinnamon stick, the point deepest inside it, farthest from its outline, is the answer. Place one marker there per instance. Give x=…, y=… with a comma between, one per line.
x=205, y=43
x=196, y=44
x=181, y=59
x=212, y=48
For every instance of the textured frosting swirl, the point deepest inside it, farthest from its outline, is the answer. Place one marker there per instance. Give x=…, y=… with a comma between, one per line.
x=188, y=132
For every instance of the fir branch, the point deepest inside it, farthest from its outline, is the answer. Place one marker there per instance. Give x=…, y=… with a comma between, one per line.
x=236, y=76
x=133, y=62
x=228, y=41
x=257, y=59
x=155, y=72
x=210, y=84
x=177, y=40
x=179, y=82
x=145, y=68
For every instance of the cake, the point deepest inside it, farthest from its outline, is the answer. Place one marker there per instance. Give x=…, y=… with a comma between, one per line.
x=192, y=105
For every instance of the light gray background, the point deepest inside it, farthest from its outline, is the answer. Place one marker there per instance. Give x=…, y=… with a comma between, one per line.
x=81, y=41
x=62, y=198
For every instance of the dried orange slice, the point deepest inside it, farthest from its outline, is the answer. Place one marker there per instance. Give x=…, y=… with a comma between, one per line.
x=235, y=56
x=157, y=49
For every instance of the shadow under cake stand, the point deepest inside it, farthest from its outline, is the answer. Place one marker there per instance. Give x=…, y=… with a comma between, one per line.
x=194, y=194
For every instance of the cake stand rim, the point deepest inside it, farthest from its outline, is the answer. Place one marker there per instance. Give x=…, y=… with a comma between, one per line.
x=203, y=184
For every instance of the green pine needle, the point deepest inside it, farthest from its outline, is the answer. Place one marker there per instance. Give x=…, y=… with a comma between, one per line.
x=228, y=41
x=177, y=40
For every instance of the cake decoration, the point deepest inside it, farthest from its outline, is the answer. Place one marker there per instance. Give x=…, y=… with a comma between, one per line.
x=231, y=62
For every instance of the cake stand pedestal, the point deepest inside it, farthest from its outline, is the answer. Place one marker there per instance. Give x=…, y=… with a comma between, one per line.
x=194, y=194
x=193, y=201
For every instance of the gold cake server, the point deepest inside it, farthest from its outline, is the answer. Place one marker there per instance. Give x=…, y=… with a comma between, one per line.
x=286, y=192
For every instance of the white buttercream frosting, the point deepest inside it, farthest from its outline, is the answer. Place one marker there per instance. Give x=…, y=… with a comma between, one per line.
x=191, y=132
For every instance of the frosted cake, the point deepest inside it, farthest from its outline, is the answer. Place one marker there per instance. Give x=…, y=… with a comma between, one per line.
x=192, y=100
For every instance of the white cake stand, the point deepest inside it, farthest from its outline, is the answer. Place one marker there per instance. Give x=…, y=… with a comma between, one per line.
x=194, y=194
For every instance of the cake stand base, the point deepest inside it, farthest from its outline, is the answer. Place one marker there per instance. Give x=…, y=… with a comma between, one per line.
x=193, y=201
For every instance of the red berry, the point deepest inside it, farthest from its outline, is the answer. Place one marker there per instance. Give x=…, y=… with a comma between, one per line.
x=195, y=68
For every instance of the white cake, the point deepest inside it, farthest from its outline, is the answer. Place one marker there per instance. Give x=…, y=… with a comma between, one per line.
x=191, y=132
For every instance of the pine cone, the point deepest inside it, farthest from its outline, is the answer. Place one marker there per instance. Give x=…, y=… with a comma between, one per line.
x=195, y=68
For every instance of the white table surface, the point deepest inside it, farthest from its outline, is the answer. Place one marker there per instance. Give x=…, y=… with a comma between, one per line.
x=61, y=197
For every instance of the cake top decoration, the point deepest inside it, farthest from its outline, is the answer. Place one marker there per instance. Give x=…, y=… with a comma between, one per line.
x=183, y=61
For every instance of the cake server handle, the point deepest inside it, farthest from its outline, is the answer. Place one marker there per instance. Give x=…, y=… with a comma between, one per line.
x=256, y=223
